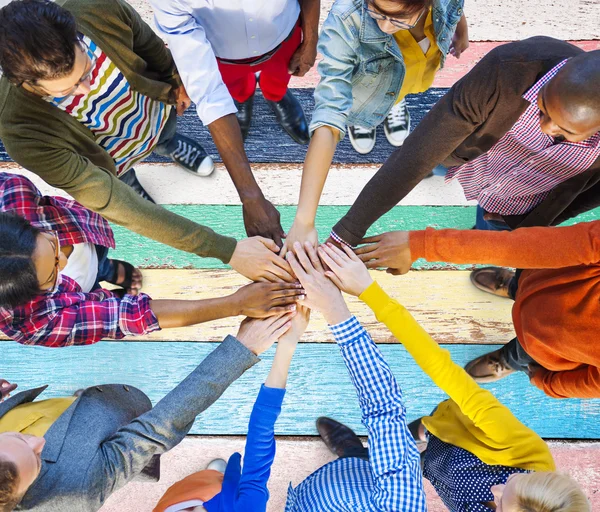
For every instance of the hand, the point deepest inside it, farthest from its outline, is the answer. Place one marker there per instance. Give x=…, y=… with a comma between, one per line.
x=321, y=293
x=460, y=39
x=262, y=218
x=6, y=388
x=258, y=335
x=391, y=250
x=347, y=272
x=299, y=325
x=261, y=300
x=182, y=100
x=300, y=232
x=257, y=259
x=303, y=59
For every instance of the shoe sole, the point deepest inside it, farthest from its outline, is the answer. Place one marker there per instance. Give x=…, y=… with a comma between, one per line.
x=362, y=151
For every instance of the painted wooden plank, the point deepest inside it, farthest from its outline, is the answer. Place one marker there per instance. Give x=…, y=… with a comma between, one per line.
x=169, y=184
x=454, y=69
x=227, y=220
x=318, y=385
x=444, y=302
x=296, y=458
x=268, y=143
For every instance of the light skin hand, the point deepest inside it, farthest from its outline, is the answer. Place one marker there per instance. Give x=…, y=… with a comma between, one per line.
x=391, y=250
x=300, y=232
x=257, y=259
x=321, y=293
x=261, y=300
x=460, y=39
x=346, y=270
x=258, y=335
x=6, y=388
x=182, y=100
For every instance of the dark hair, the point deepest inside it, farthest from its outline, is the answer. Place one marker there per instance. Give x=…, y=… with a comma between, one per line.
x=405, y=7
x=38, y=41
x=18, y=277
x=9, y=483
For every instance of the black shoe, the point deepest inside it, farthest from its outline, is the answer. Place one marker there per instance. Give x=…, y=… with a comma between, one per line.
x=290, y=116
x=129, y=178
x=337, y=437
x=244, y=115
x=190, y=155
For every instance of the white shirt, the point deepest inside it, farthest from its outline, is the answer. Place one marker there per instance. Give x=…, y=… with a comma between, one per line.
x=199, y=30
x=82, y=266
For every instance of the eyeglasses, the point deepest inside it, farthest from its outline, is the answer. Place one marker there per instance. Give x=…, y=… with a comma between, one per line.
x=54, y=276
x=394, y=21
x=63, y=95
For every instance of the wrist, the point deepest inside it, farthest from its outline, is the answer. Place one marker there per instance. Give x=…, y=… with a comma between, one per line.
x=232, y=305
x=304, y=220
x=337, y=313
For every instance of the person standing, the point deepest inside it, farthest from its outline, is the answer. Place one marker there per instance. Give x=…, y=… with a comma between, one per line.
x=219, y=47
x=374, y=54
x=88, y=89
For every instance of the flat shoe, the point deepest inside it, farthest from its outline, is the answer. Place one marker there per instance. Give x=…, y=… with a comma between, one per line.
x=494, y=280
x=489, y=367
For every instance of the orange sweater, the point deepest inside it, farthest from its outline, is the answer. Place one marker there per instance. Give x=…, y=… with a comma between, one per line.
x=557, y=309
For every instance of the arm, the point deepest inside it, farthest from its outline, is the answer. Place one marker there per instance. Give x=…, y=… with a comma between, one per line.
x=563, y=247
x=451, y=120
x=583, y=382
x=304, y=57
x=200, y=74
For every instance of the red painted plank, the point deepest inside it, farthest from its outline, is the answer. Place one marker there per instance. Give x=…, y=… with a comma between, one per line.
x=454, y=69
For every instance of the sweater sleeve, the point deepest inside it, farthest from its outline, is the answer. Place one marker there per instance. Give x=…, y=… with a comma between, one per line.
x=478, y=404
x=252, y=492
x=583, y=382
x=562, y=246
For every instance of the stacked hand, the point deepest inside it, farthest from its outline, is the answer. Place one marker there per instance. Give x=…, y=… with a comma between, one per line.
x=300, y=233
x=261, y=300
x=257, y=258
x=346, y=270
x=391, y=250
x=259, y=335
x=6, y=388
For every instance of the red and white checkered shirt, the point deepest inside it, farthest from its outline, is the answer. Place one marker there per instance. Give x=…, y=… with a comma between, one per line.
x=68, y=316
x=521, y=169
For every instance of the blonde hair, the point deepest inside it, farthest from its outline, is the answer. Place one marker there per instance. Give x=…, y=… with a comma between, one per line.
x=550, y=492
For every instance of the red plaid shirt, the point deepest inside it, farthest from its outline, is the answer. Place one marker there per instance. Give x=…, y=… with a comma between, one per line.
x=68, y=316
x=521, y=169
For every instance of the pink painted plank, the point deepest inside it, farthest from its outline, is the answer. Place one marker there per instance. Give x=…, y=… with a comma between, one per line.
x=454, y=69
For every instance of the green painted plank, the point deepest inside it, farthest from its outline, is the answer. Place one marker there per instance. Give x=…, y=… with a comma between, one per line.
x=227, y=220
x=318, y=384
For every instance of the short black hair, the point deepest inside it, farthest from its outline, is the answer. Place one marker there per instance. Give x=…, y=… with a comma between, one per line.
x=38, y=41
x=18, y=277
x=9, y=484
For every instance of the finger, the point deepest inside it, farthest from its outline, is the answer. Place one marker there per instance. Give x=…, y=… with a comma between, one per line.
x=394, y=271
x=287, y=294
x=303, y=258
x=280, y=321
x=282, y=286
x=365, y=249
x=372, y=239
x=373, y=264
x=350, y=253
x=296, y=267
x=288, y=301
x=269, y=244
x=336, y=281
x=313, y=256
x=328, y=260
x=279, y=310
x=280, y=331
x=277, y=240
x=341, y=253
x=335, y=254
x=281, y=269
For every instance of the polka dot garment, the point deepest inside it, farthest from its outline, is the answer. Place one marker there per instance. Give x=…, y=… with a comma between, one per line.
x=462, y=480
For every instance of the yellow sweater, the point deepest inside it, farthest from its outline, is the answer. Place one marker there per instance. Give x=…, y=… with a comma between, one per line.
x=473, y=419
x=35, y=418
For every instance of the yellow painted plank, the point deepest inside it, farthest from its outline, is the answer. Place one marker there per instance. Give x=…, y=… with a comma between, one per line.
x=444, y=302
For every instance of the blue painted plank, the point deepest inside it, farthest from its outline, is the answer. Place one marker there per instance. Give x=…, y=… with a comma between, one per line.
x=318, y=385
x=268, y=142
x=227, y=220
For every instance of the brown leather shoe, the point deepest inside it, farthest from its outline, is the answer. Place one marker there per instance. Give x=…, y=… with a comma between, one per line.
x=489, y=367
x=336, y=436
x=494, y=280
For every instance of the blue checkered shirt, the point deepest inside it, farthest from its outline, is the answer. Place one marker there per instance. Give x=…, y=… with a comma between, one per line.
x=391, y=480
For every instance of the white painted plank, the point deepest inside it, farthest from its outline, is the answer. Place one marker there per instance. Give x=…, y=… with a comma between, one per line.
x=169, y=184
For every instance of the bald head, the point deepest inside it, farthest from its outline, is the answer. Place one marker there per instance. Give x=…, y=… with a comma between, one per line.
x=570, y=102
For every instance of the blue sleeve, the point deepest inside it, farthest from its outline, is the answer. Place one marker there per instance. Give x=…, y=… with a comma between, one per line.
x=252, y=492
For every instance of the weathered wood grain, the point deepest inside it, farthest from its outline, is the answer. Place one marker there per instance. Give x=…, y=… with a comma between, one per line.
x=318, y=385
x=227, y=220
x=444, y=302
x=296, y=458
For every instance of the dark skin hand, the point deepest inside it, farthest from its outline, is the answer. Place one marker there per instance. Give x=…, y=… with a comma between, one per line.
x=260, y=216
x=305, y=55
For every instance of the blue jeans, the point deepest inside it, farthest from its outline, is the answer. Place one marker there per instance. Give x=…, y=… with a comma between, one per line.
x=105, y=269
x=163, y=146
x=488, y=225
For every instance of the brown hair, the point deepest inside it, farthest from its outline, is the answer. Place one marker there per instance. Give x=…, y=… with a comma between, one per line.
x=9, y=484
x=405, y=7
x=550, y=492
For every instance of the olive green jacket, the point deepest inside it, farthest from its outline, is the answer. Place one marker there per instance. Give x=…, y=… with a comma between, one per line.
x=64, y=153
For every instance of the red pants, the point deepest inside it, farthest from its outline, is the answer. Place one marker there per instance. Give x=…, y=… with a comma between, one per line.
x=274, y=76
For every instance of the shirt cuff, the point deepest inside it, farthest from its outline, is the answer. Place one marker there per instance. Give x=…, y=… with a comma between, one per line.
x=346, y=331
x=339, y=240
x=271, y=397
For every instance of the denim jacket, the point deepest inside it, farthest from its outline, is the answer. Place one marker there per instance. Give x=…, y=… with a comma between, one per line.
x=362, y=69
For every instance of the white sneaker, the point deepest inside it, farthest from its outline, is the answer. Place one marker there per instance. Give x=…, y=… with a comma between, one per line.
x=362, y=139
x=217, y=465
x=397, y=124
